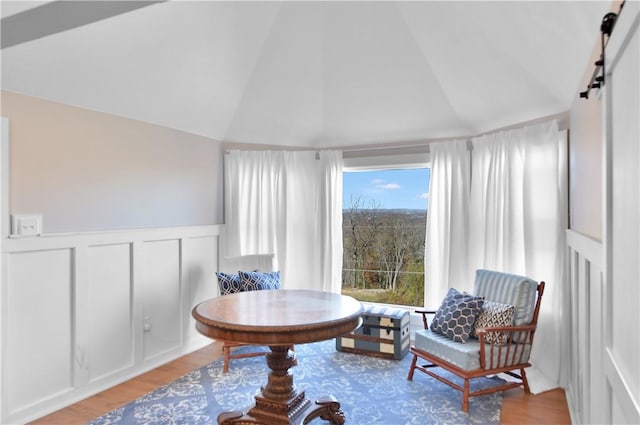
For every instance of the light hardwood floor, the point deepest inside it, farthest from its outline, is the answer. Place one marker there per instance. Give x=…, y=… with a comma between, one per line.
x=517, y=407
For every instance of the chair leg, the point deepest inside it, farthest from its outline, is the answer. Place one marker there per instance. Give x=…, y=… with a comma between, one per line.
x=465, y=396
x=525, y=383
x=227, y=358
x=412, y=369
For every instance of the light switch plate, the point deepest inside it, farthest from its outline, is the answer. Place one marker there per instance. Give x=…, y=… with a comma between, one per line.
x=26, y=224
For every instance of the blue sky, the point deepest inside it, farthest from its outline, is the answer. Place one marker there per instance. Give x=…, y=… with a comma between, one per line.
x=390, y=188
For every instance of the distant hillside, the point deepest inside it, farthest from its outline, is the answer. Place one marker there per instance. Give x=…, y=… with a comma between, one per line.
x=401, y=217
x=390, y=211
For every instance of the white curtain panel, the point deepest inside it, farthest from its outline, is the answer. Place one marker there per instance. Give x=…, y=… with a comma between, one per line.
x=254, y=201
x=288, y=204
x=447, y=225
x=517, y=222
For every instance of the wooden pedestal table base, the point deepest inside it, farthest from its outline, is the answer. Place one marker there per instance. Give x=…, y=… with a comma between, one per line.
x=280, y=319
x=280, y=403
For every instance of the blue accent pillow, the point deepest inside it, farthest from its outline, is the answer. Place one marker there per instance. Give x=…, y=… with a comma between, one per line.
x=229, y=283
x=256, y=281
x=456, y=315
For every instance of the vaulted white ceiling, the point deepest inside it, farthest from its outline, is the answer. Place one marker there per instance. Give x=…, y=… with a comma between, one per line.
x=317, y=74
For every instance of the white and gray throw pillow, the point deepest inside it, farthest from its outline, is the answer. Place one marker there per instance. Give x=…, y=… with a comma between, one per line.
x=492, y=315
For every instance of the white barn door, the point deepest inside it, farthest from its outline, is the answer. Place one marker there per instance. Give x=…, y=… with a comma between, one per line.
x=621, y=317
x=4, y=222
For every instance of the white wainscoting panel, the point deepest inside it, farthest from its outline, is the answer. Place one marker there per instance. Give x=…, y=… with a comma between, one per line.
x=37, y=328
x=109, y=311
x=162, y=312
x=586, y=278
x=595, y=311
x=199, y=268
x=617, y=417
x=83, y=312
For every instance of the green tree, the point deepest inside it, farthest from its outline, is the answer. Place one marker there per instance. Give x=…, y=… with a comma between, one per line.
x=360, y=228
x=383, y=253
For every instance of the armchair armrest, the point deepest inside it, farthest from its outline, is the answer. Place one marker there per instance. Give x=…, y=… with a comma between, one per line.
x=512, y=350
x=424, y=313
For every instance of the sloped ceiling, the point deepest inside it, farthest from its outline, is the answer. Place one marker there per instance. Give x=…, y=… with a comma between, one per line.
x=317, y=74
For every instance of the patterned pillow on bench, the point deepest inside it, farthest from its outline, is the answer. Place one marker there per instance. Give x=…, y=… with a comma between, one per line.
x=256, y=281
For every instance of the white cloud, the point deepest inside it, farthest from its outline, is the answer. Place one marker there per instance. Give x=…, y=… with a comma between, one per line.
x=424, y=195
x=377, y=181
x=389, y=186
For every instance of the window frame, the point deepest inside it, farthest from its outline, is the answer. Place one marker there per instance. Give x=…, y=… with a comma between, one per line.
x=363, y=161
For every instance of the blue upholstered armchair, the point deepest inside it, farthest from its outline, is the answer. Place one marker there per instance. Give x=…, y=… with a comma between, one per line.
x=483, y=334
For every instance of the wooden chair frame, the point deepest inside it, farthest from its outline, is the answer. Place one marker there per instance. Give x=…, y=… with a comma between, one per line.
x=518, y=336
x=228, y=355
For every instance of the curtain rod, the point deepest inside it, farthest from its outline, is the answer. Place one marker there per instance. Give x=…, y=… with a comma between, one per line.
x=418, y=146
x=562, y=118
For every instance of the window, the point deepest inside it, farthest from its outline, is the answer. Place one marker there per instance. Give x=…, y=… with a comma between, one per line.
x=384, y=226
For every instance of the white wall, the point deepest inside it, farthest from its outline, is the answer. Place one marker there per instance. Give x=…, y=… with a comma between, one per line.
x=88, y=171
x=130, y=245
x=585, y=165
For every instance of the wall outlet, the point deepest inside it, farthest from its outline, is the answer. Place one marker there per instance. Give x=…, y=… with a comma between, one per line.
x=26, y=224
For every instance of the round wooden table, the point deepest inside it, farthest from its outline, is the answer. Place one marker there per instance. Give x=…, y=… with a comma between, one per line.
x=280, y=319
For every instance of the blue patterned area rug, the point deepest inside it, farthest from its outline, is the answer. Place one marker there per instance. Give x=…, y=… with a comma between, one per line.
x=370, y=390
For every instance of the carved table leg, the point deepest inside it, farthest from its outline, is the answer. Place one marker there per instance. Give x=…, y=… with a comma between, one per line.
x=326, y=408
x=279, y=403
